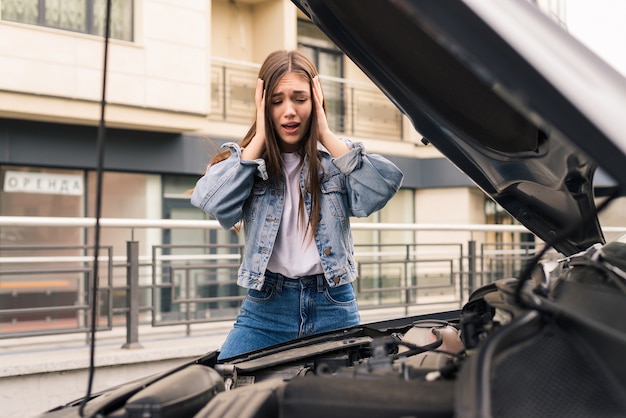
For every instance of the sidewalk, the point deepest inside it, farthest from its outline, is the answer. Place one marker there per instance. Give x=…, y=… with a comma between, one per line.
x=21, y=356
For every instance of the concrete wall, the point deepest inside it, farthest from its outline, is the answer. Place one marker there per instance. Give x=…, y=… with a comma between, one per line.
x=449, y=206
x=56, y=75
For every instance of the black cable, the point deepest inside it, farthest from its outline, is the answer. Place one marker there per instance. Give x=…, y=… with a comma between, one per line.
x=98, y=209
x=418, y=349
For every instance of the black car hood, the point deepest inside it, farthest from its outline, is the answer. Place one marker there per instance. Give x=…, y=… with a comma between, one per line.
x=515, y=102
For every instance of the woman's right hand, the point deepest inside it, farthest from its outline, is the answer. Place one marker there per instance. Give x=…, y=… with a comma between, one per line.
x=256, y=146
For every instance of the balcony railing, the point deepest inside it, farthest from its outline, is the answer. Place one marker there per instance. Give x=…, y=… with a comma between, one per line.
x=47, y=289
x=354, y=109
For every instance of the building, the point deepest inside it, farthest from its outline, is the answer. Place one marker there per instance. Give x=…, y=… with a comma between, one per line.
x=180, y=81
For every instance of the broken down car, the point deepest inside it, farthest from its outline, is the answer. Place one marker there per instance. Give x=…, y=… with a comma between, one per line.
x=530, y=115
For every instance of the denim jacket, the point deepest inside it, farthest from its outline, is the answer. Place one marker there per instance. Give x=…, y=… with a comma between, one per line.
x=355, y=184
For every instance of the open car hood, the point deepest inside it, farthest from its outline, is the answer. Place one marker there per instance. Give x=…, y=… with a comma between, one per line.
x=515, y=102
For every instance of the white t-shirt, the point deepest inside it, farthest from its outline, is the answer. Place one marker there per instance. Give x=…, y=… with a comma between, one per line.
x=294, y=254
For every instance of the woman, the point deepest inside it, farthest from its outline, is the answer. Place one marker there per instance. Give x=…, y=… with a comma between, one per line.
x=293, y=184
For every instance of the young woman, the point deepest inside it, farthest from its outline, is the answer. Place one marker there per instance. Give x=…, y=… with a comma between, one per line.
x=294, y=185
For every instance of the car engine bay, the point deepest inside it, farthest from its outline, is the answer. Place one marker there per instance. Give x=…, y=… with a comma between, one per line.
x=556, y=352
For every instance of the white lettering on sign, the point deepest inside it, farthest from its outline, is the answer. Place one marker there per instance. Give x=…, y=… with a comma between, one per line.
x=45, y=183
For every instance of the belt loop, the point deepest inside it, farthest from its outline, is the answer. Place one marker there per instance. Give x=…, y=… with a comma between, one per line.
x=320, y=283
x=279, y=282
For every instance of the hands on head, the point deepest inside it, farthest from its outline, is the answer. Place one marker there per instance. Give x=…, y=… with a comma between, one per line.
x=291, y=114
x=256, y=146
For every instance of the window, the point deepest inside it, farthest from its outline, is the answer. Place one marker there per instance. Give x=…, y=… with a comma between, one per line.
x=29, y=191
x=329, y=61
x=352, y=108
x=85, y=16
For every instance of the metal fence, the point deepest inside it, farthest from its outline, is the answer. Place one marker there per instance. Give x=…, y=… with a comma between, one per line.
x=47, y=289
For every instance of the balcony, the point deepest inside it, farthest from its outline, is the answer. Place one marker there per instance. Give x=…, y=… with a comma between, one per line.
x=354, y=109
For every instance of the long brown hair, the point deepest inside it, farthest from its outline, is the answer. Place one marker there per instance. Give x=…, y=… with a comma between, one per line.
x=275, y=66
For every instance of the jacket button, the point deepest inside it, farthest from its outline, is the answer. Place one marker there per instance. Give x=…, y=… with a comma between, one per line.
x=336, y=279
x=327, y=251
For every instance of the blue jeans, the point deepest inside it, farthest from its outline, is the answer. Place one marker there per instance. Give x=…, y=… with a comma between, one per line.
x=285, y=309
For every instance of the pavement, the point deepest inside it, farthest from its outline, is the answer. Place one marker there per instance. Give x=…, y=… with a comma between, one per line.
x=55, y=353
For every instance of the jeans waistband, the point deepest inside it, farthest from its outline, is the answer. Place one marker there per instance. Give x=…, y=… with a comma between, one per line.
x=279, y=281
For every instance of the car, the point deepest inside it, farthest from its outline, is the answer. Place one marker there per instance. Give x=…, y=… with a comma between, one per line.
x=531, y=116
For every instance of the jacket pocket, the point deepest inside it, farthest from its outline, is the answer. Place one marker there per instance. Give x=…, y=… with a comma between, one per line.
x=255, y=201
x=334, y=195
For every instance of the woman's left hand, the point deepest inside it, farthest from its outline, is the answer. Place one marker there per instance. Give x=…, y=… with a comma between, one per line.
x=328, y=139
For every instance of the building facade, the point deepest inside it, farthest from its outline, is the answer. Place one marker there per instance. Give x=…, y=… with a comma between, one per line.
x=180, y=81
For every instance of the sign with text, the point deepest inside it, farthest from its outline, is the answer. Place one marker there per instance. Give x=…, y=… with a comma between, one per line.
x=44, y=183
